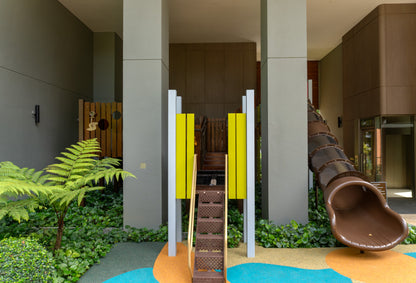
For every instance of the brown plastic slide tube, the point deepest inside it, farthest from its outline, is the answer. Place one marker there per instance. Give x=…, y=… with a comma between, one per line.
x=359, y=214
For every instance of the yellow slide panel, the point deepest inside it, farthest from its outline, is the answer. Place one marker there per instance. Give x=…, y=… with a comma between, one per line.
x=180, y=156
x=190, y=146
x=232, y=182
x=241, y=142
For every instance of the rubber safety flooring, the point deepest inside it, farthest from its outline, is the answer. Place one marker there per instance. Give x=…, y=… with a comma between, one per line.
x=149, y=262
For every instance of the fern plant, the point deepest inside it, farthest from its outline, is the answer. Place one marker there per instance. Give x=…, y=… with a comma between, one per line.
x=77, y=173
x=20, y=189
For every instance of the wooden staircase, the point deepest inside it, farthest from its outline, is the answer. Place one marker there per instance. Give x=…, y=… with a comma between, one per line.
x=209, y=247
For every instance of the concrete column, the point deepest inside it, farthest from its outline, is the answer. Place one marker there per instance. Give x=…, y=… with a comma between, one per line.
x=284, y=112
x=145, y=77
x=104, y=66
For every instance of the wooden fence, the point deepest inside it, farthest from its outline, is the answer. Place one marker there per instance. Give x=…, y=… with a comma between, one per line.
x=103, y=121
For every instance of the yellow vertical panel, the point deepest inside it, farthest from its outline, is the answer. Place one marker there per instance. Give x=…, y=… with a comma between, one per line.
x=180, y=156
x=232, y=182
x=190, y=145
x=241, y=141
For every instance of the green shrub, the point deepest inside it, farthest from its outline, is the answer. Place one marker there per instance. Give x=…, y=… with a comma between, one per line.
x=25, y=260
x=234, y=236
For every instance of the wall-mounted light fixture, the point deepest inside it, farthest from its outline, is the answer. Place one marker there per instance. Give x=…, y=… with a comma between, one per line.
x=36, y=114
x=339, y=121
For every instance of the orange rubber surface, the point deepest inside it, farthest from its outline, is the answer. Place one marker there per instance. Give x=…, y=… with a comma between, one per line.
x=173, y=269
x=369, y=267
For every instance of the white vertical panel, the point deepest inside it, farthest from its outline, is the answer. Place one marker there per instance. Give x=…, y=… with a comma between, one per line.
x=178, y=201
x=172, y=173
x=250, y=211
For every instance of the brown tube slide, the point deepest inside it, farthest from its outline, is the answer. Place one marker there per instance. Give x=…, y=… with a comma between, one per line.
x=359, y=214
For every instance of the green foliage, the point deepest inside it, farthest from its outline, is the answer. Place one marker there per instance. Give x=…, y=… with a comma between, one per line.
x=25, y=260
x=78, y=173
x=20, y=189
x=235, y=228
x=147, y=235
x=234, y=236
x=411, y=238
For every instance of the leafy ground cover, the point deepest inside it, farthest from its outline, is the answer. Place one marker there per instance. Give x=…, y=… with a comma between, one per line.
x=92, y=231
x=25, y=260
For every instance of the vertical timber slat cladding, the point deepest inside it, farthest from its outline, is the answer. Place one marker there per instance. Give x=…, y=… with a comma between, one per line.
x=80, y=120
x=190, y=151
x=94, y=119
x=181, y=156
x=108, y=135
x=237, y=154
x=87, y=120
x=232, y=159
x=97, y=119
x=119, y=142
x=108, y=126
x=212, y=77
x=103, y=133
x=313, y=74
x=113, y=130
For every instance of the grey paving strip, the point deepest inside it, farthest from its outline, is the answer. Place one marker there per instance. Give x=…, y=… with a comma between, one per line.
x=123, y=257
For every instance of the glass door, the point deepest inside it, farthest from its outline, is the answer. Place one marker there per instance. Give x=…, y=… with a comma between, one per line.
x=368, y=153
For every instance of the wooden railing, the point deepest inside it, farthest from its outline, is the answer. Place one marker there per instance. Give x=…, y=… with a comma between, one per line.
x=217, y=135
x=200, y=139
x=225, y=217
x=192, y=215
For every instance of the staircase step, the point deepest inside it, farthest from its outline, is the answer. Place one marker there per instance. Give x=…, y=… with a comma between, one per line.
x=209, y=260
x=210, y=226
x=212, y=210
x=209, y=242
x=200, y=188
x=211, y=197
x=208, y=276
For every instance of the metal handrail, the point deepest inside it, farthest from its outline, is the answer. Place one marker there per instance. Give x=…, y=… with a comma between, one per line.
x=192, y=215
x=225, y=217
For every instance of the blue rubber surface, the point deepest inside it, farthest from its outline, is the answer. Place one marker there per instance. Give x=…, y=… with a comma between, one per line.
x=411, y=254
x=144, y=275
x=261, y=272
x=249, y=273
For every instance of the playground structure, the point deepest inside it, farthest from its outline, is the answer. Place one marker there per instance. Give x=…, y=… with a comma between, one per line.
x=238, y=183
x=358, y=212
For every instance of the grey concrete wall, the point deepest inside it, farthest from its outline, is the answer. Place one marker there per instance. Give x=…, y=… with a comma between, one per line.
x=104, y=66
x=145, y=73
x=118, y=69
x=331, y=99
x=284, y=122
x=45, y=59
x=108, y=67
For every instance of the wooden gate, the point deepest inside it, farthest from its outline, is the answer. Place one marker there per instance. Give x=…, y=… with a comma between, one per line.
x=103, y=121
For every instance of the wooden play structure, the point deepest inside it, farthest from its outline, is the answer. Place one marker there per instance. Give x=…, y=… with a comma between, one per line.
x=103, y=121
x=226, y=150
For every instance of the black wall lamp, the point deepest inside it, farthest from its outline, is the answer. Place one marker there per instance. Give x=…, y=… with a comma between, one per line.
x=339, y=121
x=36, y=114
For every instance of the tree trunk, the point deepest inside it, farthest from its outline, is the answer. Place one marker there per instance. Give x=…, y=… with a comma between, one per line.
x=59, y=234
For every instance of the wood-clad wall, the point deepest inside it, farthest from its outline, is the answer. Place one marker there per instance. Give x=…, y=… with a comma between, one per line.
x=212, y=77
x=379, y=74
x=313, y=74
